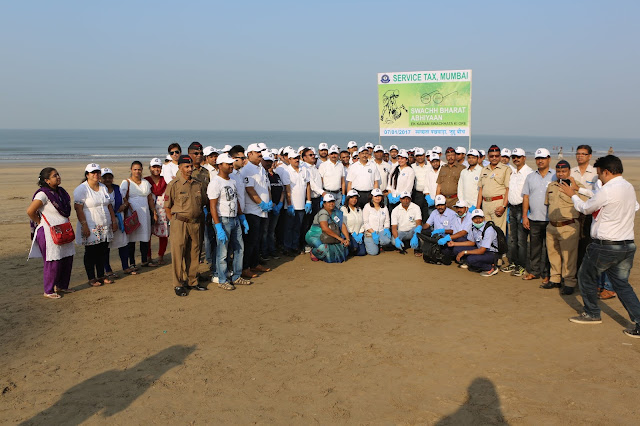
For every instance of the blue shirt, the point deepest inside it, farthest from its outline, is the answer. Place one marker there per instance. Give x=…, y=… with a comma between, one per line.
x=462, y=223
x=535, y=186
x=490, y=240
x=445, y=220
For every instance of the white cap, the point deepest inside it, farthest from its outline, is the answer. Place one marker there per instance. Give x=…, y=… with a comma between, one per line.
x=405, y=194
x=482, y=152
x=378, y=148
x=274, y=152
x=334, y=150
x=476, y=213
x=362, y=148
x=368, y=145
x=226, y=148
x=352, y=144
x=354, y=154
x=473, y=152
x=393, y=147
x=301, y=148
x=519, y=152
x=542, y=153
x=254, y=147
x=267, y=156
x=208, y=150
x=403, y=153
x=92, y=167
x=506, y=152
x=437, y=149
x=322, y=146
x=428, y=153
x=293, y=153
x=106, y=171
x=434, y=157
x=412, y=149
x=460, y=203
x=440, y=200
x=224, y=158
x=328, y=197
x=461, y=150
x=168, y=157
x=352, y=193
x=419, y=151
x=376, y=192
x=262, y=146
x=385, y=151
x=155, y=162
x=313, y=150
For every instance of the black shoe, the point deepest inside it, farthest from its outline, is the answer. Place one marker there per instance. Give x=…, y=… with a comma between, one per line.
x=633, y=332
x=200, y=287
x=181, y=291
x=550, y=285
x=567, y=291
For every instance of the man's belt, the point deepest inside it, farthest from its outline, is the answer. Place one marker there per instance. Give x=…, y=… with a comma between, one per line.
x=185, y=219
x=559, y=224
x=612, y=243
x=498, y=197
x=452, y=195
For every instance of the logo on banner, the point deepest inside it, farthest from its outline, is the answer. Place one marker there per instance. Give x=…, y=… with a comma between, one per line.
x=385, y=79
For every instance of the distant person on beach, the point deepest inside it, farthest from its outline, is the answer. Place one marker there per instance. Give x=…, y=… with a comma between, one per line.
x=160, y=226
x=120, y=240
x=51, y=206
x=560, y=155
x=96, y=223
x=610, y=152
x=137, y=192
x=170, y=170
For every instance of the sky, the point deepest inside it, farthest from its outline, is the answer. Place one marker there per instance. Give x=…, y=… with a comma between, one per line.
x=544, y=68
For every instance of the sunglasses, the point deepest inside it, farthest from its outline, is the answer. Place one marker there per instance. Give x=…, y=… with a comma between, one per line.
x=516, y=156
x=174, y=152
x=239, y=158
x=495, y=156
x=197, y=152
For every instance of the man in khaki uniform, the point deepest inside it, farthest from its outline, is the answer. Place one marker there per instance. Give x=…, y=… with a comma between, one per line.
x=493, y=189
x=563, y=232
x=449, y=177
x=184, y=201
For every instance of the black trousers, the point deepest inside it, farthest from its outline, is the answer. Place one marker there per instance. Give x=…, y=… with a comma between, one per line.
x=420, y=201
x=252, y=240
x=363, y=198
x=538, y=258
x=307, y=221
x=94, y=259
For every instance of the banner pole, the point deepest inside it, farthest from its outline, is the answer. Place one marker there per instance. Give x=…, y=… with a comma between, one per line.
x=470, y=99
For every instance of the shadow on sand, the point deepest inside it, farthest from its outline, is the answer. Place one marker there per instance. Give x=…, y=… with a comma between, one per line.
x=112, y=391
x=482, y=406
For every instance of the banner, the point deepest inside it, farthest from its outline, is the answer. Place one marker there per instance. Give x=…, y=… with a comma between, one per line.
x=425, y=103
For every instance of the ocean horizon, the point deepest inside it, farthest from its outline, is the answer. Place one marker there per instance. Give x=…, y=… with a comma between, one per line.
x=111, y=146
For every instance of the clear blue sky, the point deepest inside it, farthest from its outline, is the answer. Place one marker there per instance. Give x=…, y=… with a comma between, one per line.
x=551, y=68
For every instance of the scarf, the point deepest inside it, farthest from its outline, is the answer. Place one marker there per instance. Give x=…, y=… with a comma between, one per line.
x=157, y=188
x=59, y=199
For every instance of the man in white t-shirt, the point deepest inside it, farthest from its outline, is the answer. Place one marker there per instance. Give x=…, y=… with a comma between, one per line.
x=384, y=168
x=299, y=195
x=406, y=224
x=323, y=154
x=332, y=174
x=469, y=178
x=170, y=170
x=363, y=176
x=210, y=157
x=226, y=212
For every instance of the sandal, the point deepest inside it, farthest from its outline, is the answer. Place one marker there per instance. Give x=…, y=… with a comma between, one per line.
x=417, y=254
x=112, y=275
x=315, y=259
x=106, y=280
x=95, y=283
x=161, y=262
x=66, y=290
x=529, y=277
x=226, y=286
x=52, y=295
x=153, y=264
x=130, y=271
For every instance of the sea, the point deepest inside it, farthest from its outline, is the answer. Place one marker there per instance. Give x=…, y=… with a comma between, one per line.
x=113, y=146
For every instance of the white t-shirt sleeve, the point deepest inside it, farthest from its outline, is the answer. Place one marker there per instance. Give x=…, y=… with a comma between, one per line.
x=79, y=194
x=394, y=217
x=43, y=198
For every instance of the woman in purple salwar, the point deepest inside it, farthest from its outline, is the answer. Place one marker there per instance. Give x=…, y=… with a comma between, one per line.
x=52, y=202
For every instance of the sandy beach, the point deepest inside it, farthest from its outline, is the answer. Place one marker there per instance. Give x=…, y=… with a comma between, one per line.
x=376, y=340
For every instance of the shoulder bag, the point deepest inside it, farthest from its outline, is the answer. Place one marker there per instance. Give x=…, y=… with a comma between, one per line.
x=61, y=234
x=328, y=239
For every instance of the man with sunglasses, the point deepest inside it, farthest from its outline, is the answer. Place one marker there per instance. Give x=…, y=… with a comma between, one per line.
x=518, y=249
x=195, y=151
x=170, y=170
x=493, y=189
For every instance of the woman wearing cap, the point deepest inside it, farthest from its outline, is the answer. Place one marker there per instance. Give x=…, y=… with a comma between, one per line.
x=96, y=223
x=401, y=180
x=328, y=225
x=119, y=240
x=53, y=204
x=161, y=225
x=376, y=223
x=137, y=192
x=355, y=224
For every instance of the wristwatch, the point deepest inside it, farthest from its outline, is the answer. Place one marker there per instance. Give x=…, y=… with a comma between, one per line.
x=466, y=252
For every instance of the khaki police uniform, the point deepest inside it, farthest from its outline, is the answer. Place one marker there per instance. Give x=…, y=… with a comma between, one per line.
x=448, y=181
x=186, y=199
x=494, y=183
x=563, y=235
x=202, y=174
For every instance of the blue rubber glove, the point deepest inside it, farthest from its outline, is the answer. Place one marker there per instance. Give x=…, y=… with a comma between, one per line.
x=344, y=198
x=220, y=234
x=270, y=205
x=444, y=240
x=414, y=241
x=120, y=220
x=430, y=201
x=417, y=229
x=398, y=244
x=277, y=208
x=321, y=202
x=472, y=208
x=375, y=237
x=390, y=198
x=291, y=211
x=245, y=224
x=387, y=233
x=359, y=238
x=437, y=231
x=264, y=206
x=354, y=237
x=307, y=207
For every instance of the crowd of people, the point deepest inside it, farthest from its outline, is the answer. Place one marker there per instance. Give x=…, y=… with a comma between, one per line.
x=241, y=208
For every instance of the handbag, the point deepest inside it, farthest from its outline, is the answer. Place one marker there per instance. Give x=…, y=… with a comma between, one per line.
x=131, y=222
x=328, y=239
x=61, y=234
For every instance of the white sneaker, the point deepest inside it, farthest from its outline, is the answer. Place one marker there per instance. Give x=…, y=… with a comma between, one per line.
x=215, y=280
x=307, y=249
